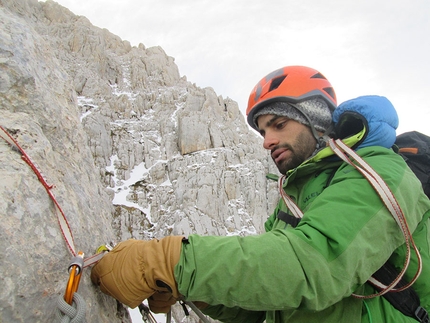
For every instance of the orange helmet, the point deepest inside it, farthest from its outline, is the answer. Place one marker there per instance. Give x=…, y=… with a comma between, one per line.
x=290, y=84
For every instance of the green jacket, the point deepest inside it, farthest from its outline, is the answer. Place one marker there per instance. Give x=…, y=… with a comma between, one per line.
x=308, y=273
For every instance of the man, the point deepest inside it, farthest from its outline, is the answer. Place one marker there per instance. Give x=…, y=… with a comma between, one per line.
x=308, y=270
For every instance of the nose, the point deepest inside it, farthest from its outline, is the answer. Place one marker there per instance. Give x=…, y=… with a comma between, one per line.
x=270, y=140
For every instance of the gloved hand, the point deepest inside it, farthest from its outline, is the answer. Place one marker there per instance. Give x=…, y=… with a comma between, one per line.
x=136, y=269
x=160, y=302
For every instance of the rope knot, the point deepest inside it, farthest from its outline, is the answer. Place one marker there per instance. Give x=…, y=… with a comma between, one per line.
x=74, y=313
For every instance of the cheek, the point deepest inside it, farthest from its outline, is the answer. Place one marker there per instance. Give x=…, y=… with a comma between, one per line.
x=306, y=142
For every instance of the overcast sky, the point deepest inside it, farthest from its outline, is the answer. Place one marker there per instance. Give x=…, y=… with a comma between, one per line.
x=363, y=47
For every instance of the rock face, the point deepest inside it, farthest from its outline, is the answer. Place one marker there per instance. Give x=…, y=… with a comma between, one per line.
x=134, y=151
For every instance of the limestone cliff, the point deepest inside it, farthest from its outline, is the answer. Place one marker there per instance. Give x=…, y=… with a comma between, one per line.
x=134, y=151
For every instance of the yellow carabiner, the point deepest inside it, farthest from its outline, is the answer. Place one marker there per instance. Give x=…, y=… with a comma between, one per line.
x=75, y=272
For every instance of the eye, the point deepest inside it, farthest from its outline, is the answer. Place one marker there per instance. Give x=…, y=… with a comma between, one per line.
x=281, y=124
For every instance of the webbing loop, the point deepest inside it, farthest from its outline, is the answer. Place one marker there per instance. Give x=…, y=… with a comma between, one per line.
x=349, y=156
x=61, y=217
x=78, y=262
x=389, y=200
x=292, y=206
x=62, y=220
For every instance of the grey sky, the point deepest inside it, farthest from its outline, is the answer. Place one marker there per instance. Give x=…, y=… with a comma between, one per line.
x=363, y=47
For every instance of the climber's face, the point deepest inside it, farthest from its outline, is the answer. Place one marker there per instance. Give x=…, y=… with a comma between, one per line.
x=289, y=141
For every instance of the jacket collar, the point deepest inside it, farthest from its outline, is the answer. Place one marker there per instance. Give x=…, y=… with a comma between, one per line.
x=323, y=158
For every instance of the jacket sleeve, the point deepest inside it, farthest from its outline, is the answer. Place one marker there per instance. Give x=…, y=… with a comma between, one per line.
x=234, y=315
x=345, y=235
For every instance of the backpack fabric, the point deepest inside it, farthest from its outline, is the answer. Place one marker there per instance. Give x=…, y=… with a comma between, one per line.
x=414, y=147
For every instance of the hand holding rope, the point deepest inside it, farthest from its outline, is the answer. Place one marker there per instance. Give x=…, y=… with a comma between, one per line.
x=71, y=306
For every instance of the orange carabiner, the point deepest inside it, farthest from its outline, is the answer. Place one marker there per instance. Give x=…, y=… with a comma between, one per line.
x=75, y=272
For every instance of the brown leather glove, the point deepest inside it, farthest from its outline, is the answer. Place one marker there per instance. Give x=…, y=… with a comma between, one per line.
x=136, y=269
x=160, y=302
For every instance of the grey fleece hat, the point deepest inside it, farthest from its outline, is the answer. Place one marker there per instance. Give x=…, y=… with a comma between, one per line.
x=317, y=111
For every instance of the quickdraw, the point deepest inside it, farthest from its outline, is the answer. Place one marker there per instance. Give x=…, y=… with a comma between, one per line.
x=78, y=262
x=147, y=316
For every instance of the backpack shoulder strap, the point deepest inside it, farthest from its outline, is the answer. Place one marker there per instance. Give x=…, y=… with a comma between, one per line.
x=414, y=147
x=406, y=301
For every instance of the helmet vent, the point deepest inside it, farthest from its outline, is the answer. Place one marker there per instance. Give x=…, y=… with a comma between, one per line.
x=276, y=82
x=330, y=92
x=318, y=76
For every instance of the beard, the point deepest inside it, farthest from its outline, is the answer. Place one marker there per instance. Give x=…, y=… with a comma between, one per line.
x=301, y=150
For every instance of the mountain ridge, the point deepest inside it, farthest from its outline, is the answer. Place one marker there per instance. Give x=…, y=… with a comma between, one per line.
x=134, y=150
